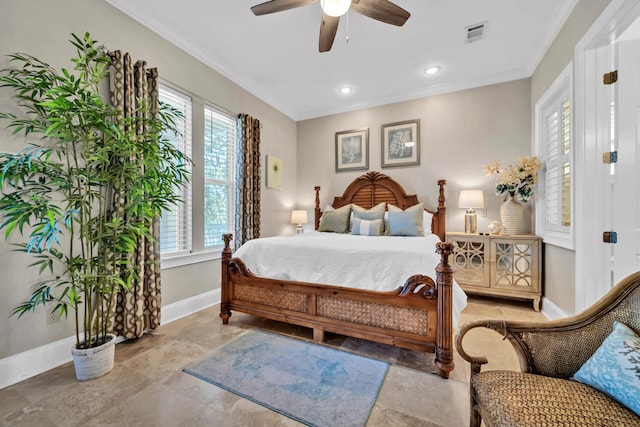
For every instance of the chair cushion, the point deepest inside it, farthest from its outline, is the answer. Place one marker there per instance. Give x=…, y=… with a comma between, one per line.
x=508, y=398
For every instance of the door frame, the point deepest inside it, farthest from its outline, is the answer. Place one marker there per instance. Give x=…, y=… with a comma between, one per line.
x=593, y=277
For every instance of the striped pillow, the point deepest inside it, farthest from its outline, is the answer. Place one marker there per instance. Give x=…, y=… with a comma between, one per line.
x=366, y=228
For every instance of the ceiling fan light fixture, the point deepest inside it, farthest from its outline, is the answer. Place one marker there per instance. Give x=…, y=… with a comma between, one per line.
x=345, y=90
x=335, y=7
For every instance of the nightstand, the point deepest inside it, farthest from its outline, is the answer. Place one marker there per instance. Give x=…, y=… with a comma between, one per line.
x=498, y=265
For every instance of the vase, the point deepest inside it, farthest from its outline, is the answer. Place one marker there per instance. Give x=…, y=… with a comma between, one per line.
x=94, y=362
x=511, y=216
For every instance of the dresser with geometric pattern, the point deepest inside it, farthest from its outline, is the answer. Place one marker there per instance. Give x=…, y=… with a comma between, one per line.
x=499, y=266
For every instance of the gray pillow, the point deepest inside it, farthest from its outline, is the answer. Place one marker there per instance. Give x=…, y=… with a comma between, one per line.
x=376, y=212
x=336, y=221
x=406, y=222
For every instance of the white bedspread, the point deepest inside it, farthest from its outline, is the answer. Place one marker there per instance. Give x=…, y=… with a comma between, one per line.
x=380, y=263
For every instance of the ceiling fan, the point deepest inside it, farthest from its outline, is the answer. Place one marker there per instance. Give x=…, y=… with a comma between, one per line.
x=381, y=10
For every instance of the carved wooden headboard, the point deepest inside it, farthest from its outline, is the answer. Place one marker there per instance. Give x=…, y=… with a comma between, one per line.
x=373, y=188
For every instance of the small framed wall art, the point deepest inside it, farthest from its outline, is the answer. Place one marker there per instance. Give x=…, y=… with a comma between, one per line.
x=401, y=144
x=352, y=150
x=274, y=172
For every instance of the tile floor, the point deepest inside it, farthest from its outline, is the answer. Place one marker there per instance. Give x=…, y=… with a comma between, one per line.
x=148, y=388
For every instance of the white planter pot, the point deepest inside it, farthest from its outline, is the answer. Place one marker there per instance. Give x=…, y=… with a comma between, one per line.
x=94, y=362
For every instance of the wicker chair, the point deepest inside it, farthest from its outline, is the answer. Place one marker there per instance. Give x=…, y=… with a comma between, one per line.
x=549, y=354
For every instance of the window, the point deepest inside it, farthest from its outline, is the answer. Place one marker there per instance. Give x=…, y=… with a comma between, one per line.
x=219, y=175
x=191, y=231
x=175, y=224
x=554, y=202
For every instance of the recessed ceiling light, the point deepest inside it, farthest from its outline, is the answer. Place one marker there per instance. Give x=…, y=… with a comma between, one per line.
x=432, y=69
x=345, y=90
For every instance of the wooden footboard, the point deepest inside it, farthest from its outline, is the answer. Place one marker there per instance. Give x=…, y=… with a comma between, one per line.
x=417, y=316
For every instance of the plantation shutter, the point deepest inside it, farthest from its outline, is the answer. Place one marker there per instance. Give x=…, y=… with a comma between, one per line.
x=558, y=166
x=175, y=224
x=219, y=175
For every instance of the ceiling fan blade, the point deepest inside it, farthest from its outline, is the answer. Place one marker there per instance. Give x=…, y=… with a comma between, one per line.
x=382, y=10
x=328, y=30
x=279, y=5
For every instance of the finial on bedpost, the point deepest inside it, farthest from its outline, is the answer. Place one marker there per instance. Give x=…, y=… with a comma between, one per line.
x=441, y=184
x=317, y=212
x=442, y=212
x=225, y=312
x=226, y=252
x=444, y=284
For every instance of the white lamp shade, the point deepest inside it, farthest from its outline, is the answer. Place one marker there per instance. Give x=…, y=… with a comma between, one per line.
x=335, y=7
x=299, y=217
x=471, y=199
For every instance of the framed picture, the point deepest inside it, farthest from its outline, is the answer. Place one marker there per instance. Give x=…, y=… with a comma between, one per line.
x=401, y=144
x=352, y=150
x=274, y=172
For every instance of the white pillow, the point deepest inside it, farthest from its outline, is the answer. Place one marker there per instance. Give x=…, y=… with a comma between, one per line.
x=427, y=218
x=328, y=208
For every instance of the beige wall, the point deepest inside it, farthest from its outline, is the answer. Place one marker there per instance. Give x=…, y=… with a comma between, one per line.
x=559, y=274
x=460, y=132
x=42, y=28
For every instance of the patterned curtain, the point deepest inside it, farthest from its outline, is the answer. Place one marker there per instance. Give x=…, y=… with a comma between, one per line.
x=248, y=180
x=137, y=309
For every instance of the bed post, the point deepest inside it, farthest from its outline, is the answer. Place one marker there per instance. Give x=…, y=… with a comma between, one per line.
x=444, y=284
x=317, y=208
x=442, y=211
x=225, y=313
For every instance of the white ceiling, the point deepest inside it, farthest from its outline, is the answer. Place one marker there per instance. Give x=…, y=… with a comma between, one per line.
x=276, y=56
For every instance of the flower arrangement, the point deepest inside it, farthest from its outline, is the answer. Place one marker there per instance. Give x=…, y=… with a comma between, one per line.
x=515, y=180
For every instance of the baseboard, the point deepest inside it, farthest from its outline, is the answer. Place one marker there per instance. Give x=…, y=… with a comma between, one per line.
x=551, y=310
x=27, y=364
x=187, y=306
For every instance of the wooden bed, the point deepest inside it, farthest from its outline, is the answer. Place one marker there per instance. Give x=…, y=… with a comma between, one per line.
x=416, y=316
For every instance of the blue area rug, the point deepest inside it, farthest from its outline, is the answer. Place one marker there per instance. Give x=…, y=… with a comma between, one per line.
x=310, y=383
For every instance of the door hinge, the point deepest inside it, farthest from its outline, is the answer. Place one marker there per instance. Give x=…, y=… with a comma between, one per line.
x=610, y=78
x=610, y=237
x=609, y=157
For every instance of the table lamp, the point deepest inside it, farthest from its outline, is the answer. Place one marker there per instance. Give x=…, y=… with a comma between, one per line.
x=471, y=200
x=299, y=217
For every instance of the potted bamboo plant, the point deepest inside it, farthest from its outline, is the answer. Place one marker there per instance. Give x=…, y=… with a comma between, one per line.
x=85, y=188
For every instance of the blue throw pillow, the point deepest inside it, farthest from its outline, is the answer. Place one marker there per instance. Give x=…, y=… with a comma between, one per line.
x=366, y=228
x=403, y=224
x=614, y=368
x=406, y=222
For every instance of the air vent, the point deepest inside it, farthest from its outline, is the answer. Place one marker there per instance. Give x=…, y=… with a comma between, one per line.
x=475, y=32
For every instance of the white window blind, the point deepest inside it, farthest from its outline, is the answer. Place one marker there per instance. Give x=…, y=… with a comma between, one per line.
x=219, y=175
x=175, y=224
x=554, y=147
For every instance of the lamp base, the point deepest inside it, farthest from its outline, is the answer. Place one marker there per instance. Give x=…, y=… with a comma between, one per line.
x=470, y=223
x=299, y=229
